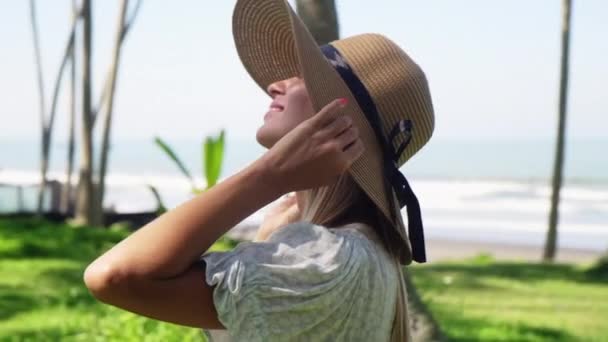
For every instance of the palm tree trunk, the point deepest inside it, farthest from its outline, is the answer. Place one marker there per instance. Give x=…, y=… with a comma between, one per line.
x=107, y=124
x=551, y=242
x=66, y=198
x=320, y=16
x=110, y=90
x=86, y=192
x=47, y=127
x=42, y=108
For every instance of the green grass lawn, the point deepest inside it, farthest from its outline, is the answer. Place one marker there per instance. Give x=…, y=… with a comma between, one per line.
x=481, y=299
x=43, y=298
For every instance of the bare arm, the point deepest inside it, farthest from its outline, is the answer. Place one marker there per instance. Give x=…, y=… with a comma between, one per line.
x=168, y=245
x=151, y=272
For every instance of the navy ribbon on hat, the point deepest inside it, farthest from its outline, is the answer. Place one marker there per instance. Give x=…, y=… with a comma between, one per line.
x=392, y=176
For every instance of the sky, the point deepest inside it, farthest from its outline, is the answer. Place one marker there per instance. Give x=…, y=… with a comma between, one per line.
x=492, y=66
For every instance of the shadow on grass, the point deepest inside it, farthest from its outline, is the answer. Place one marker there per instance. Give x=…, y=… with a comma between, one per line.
x=37, y=238
x=515, y=270
x=75, y=293
x=14, y=301
x=45, y=334
x=41, y=243
x=475, y=320
x=54, y=288
x=474, y=329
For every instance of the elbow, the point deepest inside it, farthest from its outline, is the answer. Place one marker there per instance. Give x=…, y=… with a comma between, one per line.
x=103, y=281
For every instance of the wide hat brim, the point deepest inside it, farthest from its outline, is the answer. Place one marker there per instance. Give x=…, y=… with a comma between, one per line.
x=274, y=44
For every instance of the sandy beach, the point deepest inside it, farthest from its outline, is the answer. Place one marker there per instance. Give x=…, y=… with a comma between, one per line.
x=442, y=249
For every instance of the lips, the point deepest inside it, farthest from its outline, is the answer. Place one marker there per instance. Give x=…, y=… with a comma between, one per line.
x=275, y=106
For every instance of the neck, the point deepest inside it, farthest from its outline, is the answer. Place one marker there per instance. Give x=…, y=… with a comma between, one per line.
x=301, y=199
x=361, y=212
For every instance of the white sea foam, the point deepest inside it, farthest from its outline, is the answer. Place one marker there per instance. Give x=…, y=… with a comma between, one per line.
x=486, y=210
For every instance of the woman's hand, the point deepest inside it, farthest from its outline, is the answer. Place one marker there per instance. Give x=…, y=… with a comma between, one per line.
x=282, y=214
x=315, y=152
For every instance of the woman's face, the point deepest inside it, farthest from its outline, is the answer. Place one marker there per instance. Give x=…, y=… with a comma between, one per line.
x=290, y=106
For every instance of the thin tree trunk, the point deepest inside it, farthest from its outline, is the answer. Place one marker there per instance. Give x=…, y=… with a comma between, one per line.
x=86, y=192
x=110, y=90
x=551, y=242
x=320, y=16
x=106, y=84
x=107, y=124
x=66, y=198
x=42, y=107
x=47, y=127
x=67, y=56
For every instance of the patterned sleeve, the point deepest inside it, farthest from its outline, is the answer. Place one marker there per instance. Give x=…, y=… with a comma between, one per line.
x=295, y=280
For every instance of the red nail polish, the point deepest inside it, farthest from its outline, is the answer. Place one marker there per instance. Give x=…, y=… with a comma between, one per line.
x=343, y=101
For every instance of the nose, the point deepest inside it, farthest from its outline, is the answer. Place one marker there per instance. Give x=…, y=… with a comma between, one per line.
x=276, y=88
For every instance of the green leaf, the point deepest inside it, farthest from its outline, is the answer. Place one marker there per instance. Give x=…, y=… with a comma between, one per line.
x=165, y=147
x=160, y=207
x=214, y=154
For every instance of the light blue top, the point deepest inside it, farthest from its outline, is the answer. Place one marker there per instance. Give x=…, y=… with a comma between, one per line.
x=304, y=283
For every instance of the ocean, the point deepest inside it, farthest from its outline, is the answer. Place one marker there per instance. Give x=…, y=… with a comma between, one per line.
x=495, y=191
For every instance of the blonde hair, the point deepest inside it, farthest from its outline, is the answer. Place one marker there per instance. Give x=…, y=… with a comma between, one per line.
x=344, y=202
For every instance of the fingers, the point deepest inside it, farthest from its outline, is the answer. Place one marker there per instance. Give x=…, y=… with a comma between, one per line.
x=347, y=137
x=330, y=122
x=328, y=113
x=354, y=151
x=335, y=128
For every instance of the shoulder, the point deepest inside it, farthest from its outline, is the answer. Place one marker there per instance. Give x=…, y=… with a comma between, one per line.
x=319, y=244
x=300, y=265
x=302, y=245
x=301, y=232
x=299, y=253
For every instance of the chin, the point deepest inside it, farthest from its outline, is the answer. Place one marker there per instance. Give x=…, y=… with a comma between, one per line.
x=264, y=139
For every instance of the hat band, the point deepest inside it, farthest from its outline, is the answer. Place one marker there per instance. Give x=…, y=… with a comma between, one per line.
x=395, y=178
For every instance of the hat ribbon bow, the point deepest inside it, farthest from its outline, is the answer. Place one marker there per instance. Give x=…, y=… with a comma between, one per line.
x=392, y=176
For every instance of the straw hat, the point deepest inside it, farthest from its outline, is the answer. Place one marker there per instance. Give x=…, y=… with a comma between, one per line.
x=388, y=99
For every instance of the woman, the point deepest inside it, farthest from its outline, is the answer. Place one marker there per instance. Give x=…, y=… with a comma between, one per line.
x=326, y=264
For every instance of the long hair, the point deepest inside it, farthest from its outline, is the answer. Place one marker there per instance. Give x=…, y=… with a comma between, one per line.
x=345, y=202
